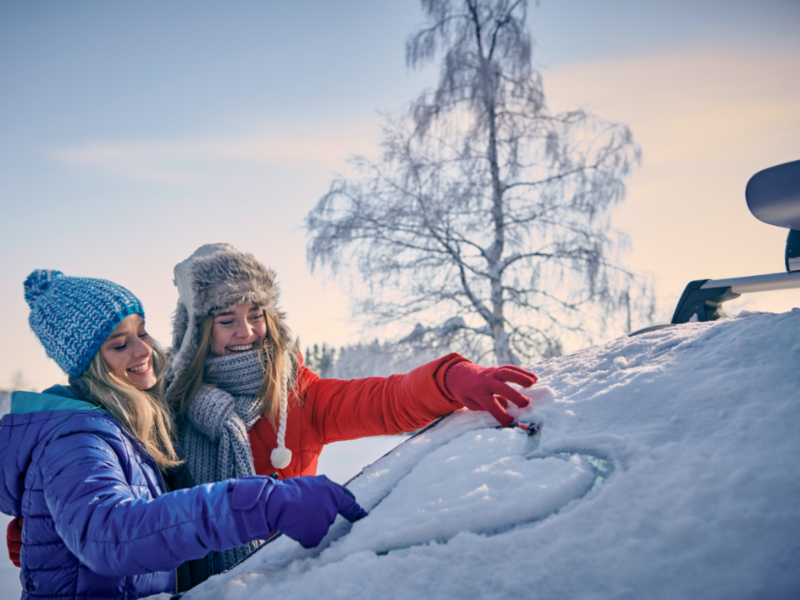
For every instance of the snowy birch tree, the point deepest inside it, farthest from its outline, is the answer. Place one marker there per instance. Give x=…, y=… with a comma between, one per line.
x=486, y=216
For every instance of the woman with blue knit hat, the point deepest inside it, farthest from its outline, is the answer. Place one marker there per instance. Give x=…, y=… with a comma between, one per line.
x=82, y=464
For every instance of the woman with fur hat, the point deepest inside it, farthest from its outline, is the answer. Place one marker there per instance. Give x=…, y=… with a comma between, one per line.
x=83, y=463
x=246, y=403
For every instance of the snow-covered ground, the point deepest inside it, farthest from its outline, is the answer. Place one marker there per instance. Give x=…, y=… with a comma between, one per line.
x=5, y=402
x=9, y=574
x=667, y=466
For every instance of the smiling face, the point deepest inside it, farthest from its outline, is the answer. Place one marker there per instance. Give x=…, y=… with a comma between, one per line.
x=237, y=329
x=128, y=352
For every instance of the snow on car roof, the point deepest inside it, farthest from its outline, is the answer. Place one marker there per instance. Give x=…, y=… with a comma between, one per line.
x=666, y=467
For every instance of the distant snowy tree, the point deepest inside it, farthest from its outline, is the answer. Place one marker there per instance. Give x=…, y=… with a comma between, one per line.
x=381, y=359
x=18, y=381
x=5, y=402
x=487, y=215
x=320, y=359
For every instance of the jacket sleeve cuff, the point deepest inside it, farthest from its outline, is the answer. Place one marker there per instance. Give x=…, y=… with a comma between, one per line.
x=443, y=365
x=248, y=499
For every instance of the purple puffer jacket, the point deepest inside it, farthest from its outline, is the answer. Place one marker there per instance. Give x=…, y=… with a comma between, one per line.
x=97, y=521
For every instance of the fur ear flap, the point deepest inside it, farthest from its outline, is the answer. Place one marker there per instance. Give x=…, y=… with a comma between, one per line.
x=180, y=320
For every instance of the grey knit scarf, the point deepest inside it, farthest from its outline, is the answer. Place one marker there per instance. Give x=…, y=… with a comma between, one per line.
x=214, y=435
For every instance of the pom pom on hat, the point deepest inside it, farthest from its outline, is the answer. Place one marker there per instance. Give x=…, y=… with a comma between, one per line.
x=38, y=282
x=280, y=457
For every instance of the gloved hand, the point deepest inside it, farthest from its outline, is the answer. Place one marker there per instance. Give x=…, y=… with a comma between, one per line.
x=14, y=539
x=305, y=507
x=483, y=388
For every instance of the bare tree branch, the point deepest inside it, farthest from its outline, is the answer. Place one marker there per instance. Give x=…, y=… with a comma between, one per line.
x=484, y=206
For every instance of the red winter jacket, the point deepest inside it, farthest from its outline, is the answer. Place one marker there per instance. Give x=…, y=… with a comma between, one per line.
x=322, y=411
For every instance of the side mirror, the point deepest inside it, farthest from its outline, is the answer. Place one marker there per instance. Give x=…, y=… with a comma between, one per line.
x=773, y=195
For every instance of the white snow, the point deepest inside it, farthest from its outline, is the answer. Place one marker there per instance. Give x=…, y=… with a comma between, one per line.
x=668, y=466
x=9, y=574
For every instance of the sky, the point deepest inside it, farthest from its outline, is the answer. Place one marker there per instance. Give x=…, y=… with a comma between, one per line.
x=132, y=133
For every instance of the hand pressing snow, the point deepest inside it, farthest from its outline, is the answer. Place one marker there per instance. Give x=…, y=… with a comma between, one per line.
x=485, y=388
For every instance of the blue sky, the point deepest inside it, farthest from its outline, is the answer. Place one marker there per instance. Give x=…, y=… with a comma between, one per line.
x=134, y=132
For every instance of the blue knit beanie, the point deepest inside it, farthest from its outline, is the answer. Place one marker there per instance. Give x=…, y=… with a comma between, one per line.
x=73, y=316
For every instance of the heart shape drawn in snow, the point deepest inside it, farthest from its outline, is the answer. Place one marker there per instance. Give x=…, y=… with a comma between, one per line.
x=484, y=481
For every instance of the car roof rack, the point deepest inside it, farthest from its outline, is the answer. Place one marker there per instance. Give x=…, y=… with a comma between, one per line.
x=773, y=196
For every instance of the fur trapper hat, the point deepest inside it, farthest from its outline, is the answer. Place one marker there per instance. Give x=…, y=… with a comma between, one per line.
x=219, y=276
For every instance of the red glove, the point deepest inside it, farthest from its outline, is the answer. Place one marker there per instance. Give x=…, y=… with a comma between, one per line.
x=14, y=540
x=483, y=388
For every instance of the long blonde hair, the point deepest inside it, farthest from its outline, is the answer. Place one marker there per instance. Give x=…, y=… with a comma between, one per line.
x=142, y=412
x=277, y=373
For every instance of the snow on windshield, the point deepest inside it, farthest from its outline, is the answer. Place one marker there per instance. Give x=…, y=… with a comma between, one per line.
x=666, y=467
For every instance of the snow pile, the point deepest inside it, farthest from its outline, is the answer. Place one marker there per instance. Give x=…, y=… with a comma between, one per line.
x=666, y=467
x=5, y=403
x=9, y=574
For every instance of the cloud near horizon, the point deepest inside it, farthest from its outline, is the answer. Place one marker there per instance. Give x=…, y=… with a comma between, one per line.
x=199, y=161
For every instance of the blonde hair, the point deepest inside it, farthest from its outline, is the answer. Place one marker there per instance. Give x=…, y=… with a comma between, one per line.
x=278, y=375
x=142, y=412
